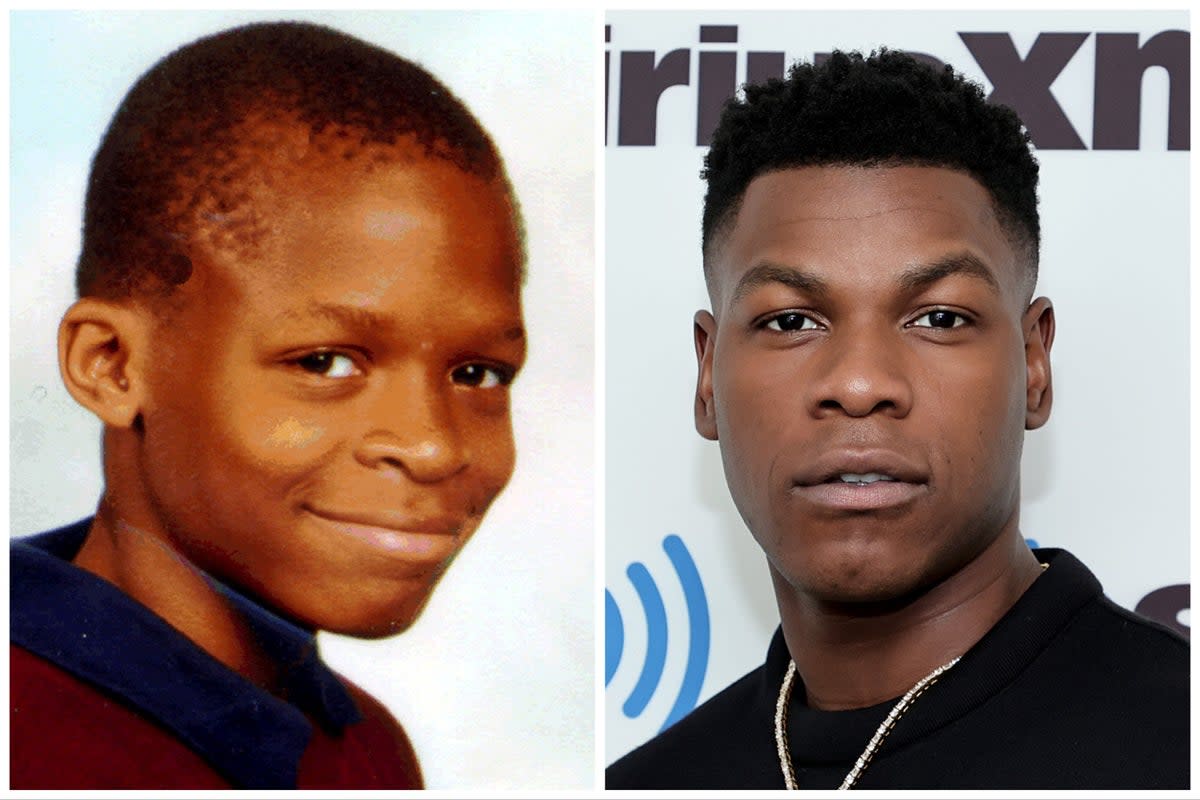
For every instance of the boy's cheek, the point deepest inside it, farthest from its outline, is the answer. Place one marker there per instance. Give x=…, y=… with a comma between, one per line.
x=293, y=433
x=276, y=435
x=493, y=450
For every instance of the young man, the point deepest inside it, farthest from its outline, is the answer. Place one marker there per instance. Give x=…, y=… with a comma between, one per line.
x=873, y=356
x=299, y=316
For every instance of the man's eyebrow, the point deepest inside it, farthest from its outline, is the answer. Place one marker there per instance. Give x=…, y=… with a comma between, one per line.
x=922, y=275
x=768, y=273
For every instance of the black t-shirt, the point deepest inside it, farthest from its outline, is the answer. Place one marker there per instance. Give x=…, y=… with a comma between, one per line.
x=1067, y=690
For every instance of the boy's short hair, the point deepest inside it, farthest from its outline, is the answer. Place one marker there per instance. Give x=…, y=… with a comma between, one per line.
x=886, y=109
x=179, y=159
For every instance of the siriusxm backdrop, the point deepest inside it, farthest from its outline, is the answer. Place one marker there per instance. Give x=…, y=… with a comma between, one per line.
x=1105, y=96
x=494, y=683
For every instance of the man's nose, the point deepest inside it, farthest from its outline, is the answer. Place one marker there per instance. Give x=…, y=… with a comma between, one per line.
x=412, y=427
x=862, y=371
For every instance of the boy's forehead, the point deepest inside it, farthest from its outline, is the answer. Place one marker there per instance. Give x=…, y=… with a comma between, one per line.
x=356, y=228
x=279, y=137
x=318, y=189
x=272, y=154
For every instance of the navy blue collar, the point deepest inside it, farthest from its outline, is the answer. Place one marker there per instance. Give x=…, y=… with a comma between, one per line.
x=89, y=628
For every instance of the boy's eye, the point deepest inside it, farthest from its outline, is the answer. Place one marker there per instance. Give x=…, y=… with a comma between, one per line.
x=481, y=376
x=791, y=321
x=940, y=319
x=328, y=364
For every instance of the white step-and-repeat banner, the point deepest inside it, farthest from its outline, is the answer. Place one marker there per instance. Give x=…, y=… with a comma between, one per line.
x=689, y=606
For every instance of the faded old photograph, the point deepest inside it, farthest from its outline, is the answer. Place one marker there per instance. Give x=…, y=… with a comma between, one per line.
x=301, y=400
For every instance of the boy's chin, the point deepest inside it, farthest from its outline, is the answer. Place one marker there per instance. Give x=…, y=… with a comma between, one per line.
x=373, y=628
x=372, y=621
x=363, y=608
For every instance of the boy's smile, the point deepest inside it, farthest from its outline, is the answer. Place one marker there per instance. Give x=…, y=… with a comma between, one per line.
x=869, y=371
x=327, y=415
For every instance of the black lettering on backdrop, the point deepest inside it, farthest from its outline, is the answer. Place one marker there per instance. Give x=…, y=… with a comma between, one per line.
x=1120, y=67
x=607, y=59
x=717, y=81
x=1164, y=605
x=760, y=66
x=933, y=61
x=642, y=83
x=1021, y=82
x=1024, y=84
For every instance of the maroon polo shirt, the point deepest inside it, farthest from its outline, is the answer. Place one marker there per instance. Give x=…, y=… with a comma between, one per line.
x=106, y=694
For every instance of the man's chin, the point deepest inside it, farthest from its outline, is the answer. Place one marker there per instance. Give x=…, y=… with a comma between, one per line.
x=859, y=587
x=868, y=600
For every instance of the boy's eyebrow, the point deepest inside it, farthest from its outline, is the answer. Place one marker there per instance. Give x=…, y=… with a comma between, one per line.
x=362, y=318
x=350, y=316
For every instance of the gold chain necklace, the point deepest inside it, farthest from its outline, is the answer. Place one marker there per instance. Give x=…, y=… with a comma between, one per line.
x=881, y=733
x=885, y=727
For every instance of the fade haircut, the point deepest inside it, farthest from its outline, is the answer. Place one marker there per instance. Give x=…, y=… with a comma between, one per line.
x=885, y=110
x=206, y=131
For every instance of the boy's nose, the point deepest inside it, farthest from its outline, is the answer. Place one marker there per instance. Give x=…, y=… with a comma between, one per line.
x=413, y=429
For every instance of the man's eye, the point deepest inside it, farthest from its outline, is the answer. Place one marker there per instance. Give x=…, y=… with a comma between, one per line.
x=791, y=321
x=328, y=364
x=481, y=376
x=940, y=319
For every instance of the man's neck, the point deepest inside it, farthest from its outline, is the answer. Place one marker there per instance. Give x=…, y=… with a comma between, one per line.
x=855, y=658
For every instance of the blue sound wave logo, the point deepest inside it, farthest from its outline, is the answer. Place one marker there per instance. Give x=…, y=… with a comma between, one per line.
x=656, y=634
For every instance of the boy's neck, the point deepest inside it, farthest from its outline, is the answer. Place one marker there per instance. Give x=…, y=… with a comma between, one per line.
x=144, y=565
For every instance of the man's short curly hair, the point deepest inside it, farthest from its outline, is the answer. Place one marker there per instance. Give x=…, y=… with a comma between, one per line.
x=217, y=120
x=887, y=109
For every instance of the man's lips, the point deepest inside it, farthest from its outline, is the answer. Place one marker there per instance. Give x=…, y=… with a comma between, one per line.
x=839, y=496
x=433, y=539
x=860, y=480
x=830, y=465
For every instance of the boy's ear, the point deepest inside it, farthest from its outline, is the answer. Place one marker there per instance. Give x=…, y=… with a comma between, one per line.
x=101, y=350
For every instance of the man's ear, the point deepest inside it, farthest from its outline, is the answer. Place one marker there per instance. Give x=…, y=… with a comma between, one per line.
x=101, y=352
x=705, y=332
x=1038, y=326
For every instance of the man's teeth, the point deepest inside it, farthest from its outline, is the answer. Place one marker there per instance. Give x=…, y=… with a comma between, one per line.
x=869, y=477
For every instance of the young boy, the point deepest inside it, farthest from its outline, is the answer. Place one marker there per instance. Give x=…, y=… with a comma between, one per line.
x=299, y=315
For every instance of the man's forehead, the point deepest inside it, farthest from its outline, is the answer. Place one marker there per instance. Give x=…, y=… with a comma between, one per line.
x=856, y=192
x=826, y=219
